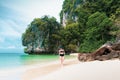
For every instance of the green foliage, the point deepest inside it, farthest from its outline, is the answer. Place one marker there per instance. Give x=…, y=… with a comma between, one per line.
x=42, y=33
x=95, y=25
x=89, y=24
x=72, y=47
x=69, y=7
x=97, y=33
x=70, y=37
x=90, y=46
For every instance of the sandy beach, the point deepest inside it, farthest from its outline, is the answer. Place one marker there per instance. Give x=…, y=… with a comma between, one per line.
x=75, y=70
x=72, y=70
x=40, y=71
x=33, y=71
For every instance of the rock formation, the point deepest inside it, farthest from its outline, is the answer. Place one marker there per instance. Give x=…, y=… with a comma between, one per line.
x=105, y=52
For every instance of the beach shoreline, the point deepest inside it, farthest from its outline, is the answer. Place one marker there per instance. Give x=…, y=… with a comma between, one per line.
x=72, y=70
x=45, y=69
x=25, y=72
x=95, y=70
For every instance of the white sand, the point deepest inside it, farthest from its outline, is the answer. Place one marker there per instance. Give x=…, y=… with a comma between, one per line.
x=45, y=69
x=96, y=70
x=72, y=70
x=33, y=71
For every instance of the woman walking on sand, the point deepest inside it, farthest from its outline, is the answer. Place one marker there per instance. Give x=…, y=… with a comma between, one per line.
x=61, y=53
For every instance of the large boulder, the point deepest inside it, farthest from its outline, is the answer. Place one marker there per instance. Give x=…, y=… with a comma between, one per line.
x=116, y=46
x=105, y=52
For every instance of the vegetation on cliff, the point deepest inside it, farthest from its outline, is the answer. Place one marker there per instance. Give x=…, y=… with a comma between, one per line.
x=85, y=25
x=98, y=21
x=41, y=35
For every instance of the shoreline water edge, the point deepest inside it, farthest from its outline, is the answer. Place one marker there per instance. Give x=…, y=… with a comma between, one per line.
x=20, y=71
x=72, y=70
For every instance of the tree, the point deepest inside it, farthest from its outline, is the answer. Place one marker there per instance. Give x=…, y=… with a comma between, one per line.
x=70, y=37
x=98, y=32
x=41, y=33
x=93, y=18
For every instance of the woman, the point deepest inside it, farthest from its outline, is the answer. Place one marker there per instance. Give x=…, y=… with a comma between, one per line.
x=61, y=53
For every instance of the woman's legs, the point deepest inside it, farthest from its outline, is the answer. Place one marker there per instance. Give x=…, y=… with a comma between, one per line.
x=62, y=60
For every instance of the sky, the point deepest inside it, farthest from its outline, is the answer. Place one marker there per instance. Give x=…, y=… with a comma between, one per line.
x=16, y=15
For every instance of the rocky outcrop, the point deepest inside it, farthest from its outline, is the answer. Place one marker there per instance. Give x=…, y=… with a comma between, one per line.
x=105, y=52
x=68, y=11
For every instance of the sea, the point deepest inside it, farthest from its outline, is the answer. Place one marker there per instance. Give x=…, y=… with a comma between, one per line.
x=15, y=60
x=13, y=65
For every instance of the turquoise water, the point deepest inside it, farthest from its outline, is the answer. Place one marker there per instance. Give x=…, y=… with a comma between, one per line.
x=11, y=63
x=14, y=60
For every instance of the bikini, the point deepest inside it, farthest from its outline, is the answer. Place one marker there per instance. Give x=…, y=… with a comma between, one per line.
x=61, y=55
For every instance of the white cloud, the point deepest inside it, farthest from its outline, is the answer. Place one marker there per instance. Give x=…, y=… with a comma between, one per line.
x=14, y=25
x=37, y=8
x=10, y=33
x=11, y=47
x=17, y=14
x=8, y=47
x=9, y=29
